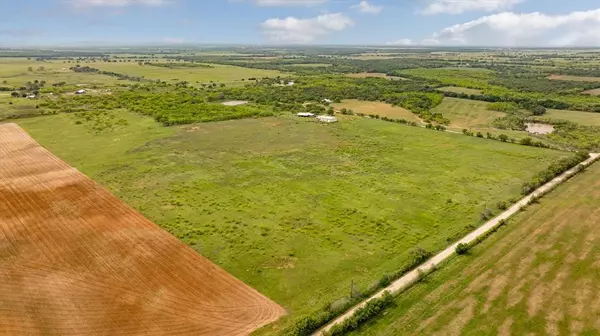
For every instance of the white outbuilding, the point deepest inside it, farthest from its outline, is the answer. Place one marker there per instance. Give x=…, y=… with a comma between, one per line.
x=80, y=92
x=327, y=119
x=327, y=100
x=305, y=114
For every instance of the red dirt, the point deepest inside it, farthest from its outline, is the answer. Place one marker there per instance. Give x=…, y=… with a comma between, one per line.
x=75, y=260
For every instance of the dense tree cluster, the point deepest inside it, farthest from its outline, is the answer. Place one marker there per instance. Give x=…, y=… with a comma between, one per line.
x=120, y=76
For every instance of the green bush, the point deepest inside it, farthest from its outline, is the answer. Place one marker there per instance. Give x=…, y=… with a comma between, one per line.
x=553, y=171
x=503, y=107
x=361, y=315
x=462, y=248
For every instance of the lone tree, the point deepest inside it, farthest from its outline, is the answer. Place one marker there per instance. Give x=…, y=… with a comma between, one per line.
x=538, y=110
x=503, y=137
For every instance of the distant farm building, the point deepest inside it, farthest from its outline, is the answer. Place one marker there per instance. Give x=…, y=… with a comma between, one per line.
x=327, y=101
x=305, y=114
x=327, y=119
x=291, y=83
x=80, y=92
x=31, y=97
x=235, y=102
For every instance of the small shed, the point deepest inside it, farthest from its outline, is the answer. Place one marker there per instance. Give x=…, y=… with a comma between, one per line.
x=305, y=114
x=31, y=97
x=327, y=101
x=80, y=92
x=291, y=83
x=327, y=119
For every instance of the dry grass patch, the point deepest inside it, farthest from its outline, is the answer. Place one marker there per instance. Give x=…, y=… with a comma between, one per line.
x=458, y=89
x=574, y=78
x=593, y=92
x=374, y=75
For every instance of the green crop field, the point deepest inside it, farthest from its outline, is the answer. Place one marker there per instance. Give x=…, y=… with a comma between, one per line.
x=583, y=118
x=539, y=275
x=465, y=113
x=295, y=208
x=231, y=75
x=377, y=108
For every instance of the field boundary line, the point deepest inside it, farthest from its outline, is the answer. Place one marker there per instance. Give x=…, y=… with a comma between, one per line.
x=413, y=276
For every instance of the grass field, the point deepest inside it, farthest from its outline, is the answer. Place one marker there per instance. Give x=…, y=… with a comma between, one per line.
x=294, y=208
x=15, y=72
x=575, y=78
x=466, y=113
x=583, y=118
x=378, y=108
x=540, y=275
x=473, y=115
x=459, y=89
x=231, y=75
x=374, y=74
x=20, y=107
x=78, y=261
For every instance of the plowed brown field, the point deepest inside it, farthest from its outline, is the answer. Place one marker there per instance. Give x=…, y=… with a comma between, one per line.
x=75, y=260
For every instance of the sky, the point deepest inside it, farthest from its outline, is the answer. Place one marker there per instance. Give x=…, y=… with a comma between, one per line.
x=504, y=23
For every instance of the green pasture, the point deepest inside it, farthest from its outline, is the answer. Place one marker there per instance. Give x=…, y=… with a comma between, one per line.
x=295, y=208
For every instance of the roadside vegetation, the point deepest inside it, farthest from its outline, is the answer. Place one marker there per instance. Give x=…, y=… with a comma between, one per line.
x=536, y=275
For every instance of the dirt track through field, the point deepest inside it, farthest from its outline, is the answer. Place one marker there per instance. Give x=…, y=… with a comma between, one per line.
x=75, y=260
x=410, y=278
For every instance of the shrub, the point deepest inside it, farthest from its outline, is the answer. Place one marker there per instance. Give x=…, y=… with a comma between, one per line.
x=526, y=142
x=363, y=314
x=419, y=254
x=553, y=171
x=462, y=248
x=501, y=205
x=503, y=107
x=485, y=214
x=538, y=110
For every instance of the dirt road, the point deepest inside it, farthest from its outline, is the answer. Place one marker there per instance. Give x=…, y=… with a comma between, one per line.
x=407, y=280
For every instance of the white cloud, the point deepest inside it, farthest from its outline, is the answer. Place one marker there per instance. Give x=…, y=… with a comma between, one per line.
x=404, y=41
x=284, y=2
x=115, y=3
x=430, y=42
x=294, y=30
x=366, y=7
x=461, y=6
x=527, y=29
